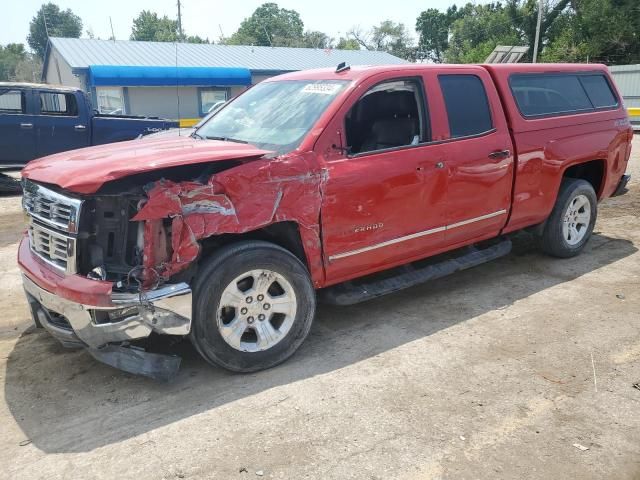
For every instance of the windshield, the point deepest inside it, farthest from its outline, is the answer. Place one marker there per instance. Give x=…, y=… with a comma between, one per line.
x=273, y=115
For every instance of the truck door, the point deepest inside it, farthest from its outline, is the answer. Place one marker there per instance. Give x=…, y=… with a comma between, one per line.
x=62, y=124
x=17, y=133
x=479, y=158
x=383, y=199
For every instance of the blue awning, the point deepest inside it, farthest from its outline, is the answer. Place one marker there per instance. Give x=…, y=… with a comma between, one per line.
x=132, y=76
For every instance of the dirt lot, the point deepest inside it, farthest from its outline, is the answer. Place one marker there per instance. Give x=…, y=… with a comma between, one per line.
x=522, y=368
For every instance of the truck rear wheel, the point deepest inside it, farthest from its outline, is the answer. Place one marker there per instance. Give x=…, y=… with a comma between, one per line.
x=572, y=219
x=254, y=305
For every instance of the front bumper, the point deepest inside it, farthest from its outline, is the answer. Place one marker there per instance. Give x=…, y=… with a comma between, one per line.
x=166, y=310
x=81, y=312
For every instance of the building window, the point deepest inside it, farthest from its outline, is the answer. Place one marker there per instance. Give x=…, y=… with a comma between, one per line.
x=212, y=97
x=58, y=104
x=110, y=100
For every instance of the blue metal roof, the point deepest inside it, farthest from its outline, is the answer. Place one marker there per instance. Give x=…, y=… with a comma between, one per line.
x=135, y=76
x=80, y=53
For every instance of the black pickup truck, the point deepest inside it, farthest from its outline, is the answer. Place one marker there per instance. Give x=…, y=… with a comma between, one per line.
x=38, y=120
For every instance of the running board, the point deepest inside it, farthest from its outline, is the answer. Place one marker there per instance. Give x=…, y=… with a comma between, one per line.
x=377, y=285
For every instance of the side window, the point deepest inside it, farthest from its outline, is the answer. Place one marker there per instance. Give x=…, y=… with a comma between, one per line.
x=467, y=105
x=63, y=104
x=549, y=94
x=388, y=115
x=12, y=101
x=599, y=91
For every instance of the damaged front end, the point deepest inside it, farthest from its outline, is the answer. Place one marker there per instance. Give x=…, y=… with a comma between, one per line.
x=109, y=333
x=84, y=278
x=108, y=269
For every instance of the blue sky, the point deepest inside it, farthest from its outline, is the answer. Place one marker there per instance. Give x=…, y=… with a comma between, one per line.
x=207, y=17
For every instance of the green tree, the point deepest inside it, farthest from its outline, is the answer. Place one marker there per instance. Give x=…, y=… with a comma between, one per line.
x=269, y=25
x=315, y=39
x=58, y=23
x=148, y=26
x=347, y=44
x=388, y=37
x=196, y=39
x=29, y=69
x=10, y=56
x=582, y=34
x=524, y=16
x=478, y=30
x=433, y=29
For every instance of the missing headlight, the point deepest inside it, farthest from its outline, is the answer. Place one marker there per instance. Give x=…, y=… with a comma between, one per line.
x=114, y=316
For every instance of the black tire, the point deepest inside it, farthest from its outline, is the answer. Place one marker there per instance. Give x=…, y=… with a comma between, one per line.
x=9, y=185
x=553, y=241
x=217, y=273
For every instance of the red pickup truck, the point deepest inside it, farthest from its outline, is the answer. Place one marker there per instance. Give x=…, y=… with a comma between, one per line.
x=341, y=185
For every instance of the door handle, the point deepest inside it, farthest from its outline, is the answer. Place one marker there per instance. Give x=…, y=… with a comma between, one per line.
x=80, y=127
x=26, y=126
x=500, y=154
x=423, y=167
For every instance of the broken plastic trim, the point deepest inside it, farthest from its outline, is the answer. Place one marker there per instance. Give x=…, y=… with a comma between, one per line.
x=134, y=360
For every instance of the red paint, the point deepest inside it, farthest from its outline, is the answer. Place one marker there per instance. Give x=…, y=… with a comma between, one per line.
x=87, y=169
x=244, y=198
x=73, y=287
x=329, y=196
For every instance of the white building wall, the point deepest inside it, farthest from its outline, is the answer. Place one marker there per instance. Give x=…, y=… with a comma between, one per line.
x=167, y=102
x=59, y=72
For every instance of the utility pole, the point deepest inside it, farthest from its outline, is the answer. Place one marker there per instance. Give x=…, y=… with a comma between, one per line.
x=267, y=34
x=180, y=36
x=113, y=36
x=44, y=16
x=537, y=40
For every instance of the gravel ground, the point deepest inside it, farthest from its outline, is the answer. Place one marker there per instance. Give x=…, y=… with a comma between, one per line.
x=521, y=368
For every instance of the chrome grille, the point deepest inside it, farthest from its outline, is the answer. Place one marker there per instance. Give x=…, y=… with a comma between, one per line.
x=55, y=248
x=50, y=207
x=53, y=225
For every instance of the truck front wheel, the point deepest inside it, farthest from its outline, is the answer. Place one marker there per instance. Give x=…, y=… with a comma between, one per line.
x=254, y=305
x=572, y=219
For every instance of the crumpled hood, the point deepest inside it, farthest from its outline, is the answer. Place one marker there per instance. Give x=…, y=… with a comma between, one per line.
x=87, y=169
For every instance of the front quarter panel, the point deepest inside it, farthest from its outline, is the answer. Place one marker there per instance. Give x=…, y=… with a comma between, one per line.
x=239, y=200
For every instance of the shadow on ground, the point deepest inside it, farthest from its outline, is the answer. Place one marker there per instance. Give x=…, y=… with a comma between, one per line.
x=64, y=401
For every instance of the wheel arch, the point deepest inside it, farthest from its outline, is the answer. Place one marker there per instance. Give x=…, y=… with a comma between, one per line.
x=289, y=235
x=593, y=171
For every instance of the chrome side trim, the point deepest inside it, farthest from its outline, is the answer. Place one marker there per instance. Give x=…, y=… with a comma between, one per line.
x=417, y=235
x=388, y=242
x=476, y=219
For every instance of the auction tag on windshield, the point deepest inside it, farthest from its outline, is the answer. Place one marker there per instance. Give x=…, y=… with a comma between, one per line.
x=322, y=88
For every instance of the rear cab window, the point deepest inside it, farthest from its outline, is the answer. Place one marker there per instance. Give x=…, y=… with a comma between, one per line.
x=61, y=104
x=551, y=94
x=12, y=101
x=467, y=105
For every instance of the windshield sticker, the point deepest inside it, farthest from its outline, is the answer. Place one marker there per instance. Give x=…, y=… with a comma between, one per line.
x=322, y=88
